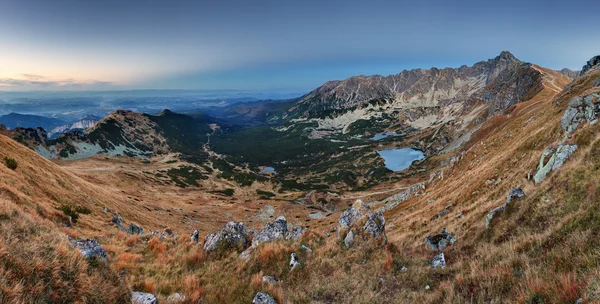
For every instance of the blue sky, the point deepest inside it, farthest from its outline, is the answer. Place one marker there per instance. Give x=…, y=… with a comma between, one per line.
x=262, y=45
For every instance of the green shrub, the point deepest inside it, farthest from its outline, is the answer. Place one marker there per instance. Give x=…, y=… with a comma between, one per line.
x=11, y=163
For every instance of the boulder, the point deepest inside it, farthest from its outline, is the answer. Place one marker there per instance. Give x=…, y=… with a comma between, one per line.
x=349, y=239
x=306, y=248
x=438, y=261
x=263, y=298
x=440, y=241
x=556, y=160
x=514, y=193
x=579, y=110
x=375, y=224
x=294, y=261
x=90, y=248
x=270, y=280
x=195, y=236
x=272, y=232
x=231, y=236
x=135, y=229
x=352, y=214
x=143, y=298
x=295, y=234
x=118, y=220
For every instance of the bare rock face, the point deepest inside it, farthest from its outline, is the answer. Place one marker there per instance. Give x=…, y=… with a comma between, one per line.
x=438, y=261
x=232, y=235
x=135, y=229
x=439, y=241
x=263, y=298
x=90, y=249
x=272, y=232
x=375, y=224
x=143, y=298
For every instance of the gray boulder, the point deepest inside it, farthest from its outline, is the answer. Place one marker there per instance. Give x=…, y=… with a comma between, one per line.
x=90, y=248
x=143, y=298
x=272, y=232
x=579, y=110
x=294, y=261
x=352, y=214
x=438, y=261
x=295, y=234
x=263, y=298
x=563, y=152
x=195, y=236
x=118, y=220
x=514, y=193
x=375, y=224
x=349, y=239
x=135, y=229
x=440, y=241
x=231, y=236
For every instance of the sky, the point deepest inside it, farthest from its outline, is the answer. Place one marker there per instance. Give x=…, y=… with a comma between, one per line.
x=268, y=45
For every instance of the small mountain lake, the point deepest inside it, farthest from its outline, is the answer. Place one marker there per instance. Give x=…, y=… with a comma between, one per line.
x=400, y=159
x=268, y=170
x=383, y=135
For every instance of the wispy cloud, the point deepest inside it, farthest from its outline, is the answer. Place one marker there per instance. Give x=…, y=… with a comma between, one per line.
x=32, y=82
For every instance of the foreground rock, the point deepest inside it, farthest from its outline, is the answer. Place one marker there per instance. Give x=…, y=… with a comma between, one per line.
x=352, y=214
x=557, y=158
x=515, y=193
x=90, y=249
x=439, y=241
x=272, y=232
x=143, y=298
x=438, y=261
x=233, y=235
x=263, y=298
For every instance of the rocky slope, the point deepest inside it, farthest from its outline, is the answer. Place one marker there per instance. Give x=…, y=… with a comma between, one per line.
x=78, y=125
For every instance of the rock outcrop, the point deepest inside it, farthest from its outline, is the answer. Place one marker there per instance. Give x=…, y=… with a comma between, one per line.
x=580, y=109
x=375, y=224
x=233, y=235
x=90, y=249
x=438, y=261
x=439, y=241
x=135, y=229
x=557, y=158
x=272, y=232
x=143, y=298
x=118, y=220
x=590, y=64
x=515, y=193
x=352, y=214
x=295, y=234
x=263, y=298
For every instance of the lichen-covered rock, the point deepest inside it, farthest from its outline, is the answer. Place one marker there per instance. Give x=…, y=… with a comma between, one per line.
x=263, y=298
x=272, y=232
x=491, y=214
x=438, y=261
x=440, y=241
x=135, y=229
x=233, y=235
x=143, y=298
x=352, y=214
x=118, y=220
x=295, y=234
x=349, y=239
x=195, y=236
x=294, y=261
x=90, y=249
x=580, y=109
x=375, y=224
x=556, y=161
x=514, y=193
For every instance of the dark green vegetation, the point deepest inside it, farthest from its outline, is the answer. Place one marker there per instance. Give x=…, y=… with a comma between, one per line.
x=185, y=176
x=74, y=212
x=10, y=163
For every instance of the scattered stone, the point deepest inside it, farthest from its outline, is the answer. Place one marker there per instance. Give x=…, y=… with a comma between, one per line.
x=442, y=213
x=556, y=160
x=232, y=235
x=294, y=261
x=375, y=224
x=438, y=261
x=404, y=269
x=272, y=232
x=491, y=214
x=263, y=298
x=514, y=194
x=160, y=235
x=195, y=236
x=105, y=210
x=349, y=239
x=118, y=220
x=270, y=280
x=135, y=229
x=143, y=298
x=89, y=249
x=440, y=241
x=176, y=298
x=427, y=287
x=295, y=234
x=170, y=232
x=306, y=248
x=459, y=215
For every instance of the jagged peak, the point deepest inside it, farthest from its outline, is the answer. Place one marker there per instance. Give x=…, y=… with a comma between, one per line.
x=165, y=112
x=590, y=64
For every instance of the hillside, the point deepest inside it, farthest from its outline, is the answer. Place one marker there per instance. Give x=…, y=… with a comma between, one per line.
x=14, y=120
